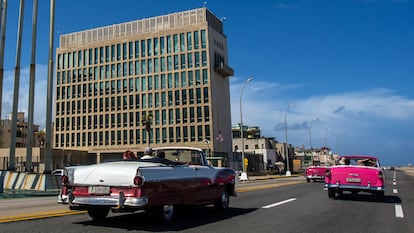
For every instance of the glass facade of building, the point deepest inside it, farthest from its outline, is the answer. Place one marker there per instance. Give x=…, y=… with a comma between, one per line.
x=107, y=84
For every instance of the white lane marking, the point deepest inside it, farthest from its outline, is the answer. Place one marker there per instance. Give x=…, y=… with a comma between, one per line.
x=398, y=211
x=395, y=191
x=279, y=203
x=394, y=183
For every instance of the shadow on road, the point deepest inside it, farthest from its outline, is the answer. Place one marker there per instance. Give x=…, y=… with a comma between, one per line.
x=187, y=218
x=367, y=198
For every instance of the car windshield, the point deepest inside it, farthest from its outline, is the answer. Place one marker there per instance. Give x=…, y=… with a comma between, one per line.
x=369, y=162
x=184, y=156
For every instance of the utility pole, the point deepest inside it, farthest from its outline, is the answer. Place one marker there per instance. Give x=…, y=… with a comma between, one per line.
x=16, y=89
x=29, y=145
x=48, y=154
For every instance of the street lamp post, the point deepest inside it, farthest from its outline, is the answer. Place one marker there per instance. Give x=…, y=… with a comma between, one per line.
x=310, y=137
x=286, y=145
x=241, y=125
x=310, y=131
x=326, y=148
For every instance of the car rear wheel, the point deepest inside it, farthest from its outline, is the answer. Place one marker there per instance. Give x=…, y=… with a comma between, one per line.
x=222, y=202
x=98, y=213
x=165, y=213
x=379, y=195
x=331, y=193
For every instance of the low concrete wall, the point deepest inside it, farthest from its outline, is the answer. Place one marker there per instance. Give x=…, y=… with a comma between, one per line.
x=28, y=181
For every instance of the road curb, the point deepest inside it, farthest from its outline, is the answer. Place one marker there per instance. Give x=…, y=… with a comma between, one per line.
x=8, y=193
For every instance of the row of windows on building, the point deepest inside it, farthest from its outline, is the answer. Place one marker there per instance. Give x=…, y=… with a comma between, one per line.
x=134, y=101
x=133, y=49
x=183, y=79
x=200, y=114
x=133, y=136
x=137, y=67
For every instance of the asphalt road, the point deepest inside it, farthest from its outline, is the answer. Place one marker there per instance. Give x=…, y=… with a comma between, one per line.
x=262, y=206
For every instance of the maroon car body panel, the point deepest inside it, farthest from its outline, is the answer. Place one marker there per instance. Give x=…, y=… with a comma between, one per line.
x=164, y=182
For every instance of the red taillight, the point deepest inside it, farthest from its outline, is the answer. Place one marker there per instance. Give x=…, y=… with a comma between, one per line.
x=328, y=173
x=380, y=176
x=65, y=179
x=138, y=181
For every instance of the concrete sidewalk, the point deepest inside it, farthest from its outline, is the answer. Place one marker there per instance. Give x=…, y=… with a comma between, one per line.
x=268, y=177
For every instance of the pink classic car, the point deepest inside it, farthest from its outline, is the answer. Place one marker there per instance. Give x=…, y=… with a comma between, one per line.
x=159, y=184
x=314, y=173
x=355, y=174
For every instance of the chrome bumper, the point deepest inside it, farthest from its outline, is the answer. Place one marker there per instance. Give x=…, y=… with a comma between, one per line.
x=114, y=201
x=315, y=177
x=355, y=187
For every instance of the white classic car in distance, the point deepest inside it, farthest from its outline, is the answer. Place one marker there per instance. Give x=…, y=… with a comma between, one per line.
x=157, y=185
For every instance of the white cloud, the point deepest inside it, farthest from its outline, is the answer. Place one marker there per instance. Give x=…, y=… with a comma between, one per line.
x=376, y=120
x=377, y=103
x=265, y=104
x=39, y=115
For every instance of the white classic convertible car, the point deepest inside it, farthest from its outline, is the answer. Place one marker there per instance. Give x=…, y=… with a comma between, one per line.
x=157, y=184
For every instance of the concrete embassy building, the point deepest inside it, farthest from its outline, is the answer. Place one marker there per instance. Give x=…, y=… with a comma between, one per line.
x=167, y=72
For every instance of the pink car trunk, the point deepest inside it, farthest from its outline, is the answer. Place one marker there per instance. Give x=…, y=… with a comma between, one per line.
x=315, y=173
x=355, y=176
x=319, y=171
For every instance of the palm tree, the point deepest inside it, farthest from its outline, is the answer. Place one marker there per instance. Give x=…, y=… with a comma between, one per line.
x=41, y=137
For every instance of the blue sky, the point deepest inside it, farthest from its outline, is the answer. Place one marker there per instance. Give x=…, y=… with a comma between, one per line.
x=346, y=64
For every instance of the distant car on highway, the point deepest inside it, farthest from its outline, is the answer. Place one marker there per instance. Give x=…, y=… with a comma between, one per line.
x=159, y=184
x=355, y=174
x=315, y=173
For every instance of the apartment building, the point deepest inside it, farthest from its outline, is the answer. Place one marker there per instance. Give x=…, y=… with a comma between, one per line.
x=169, y=73
x=21, y=134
